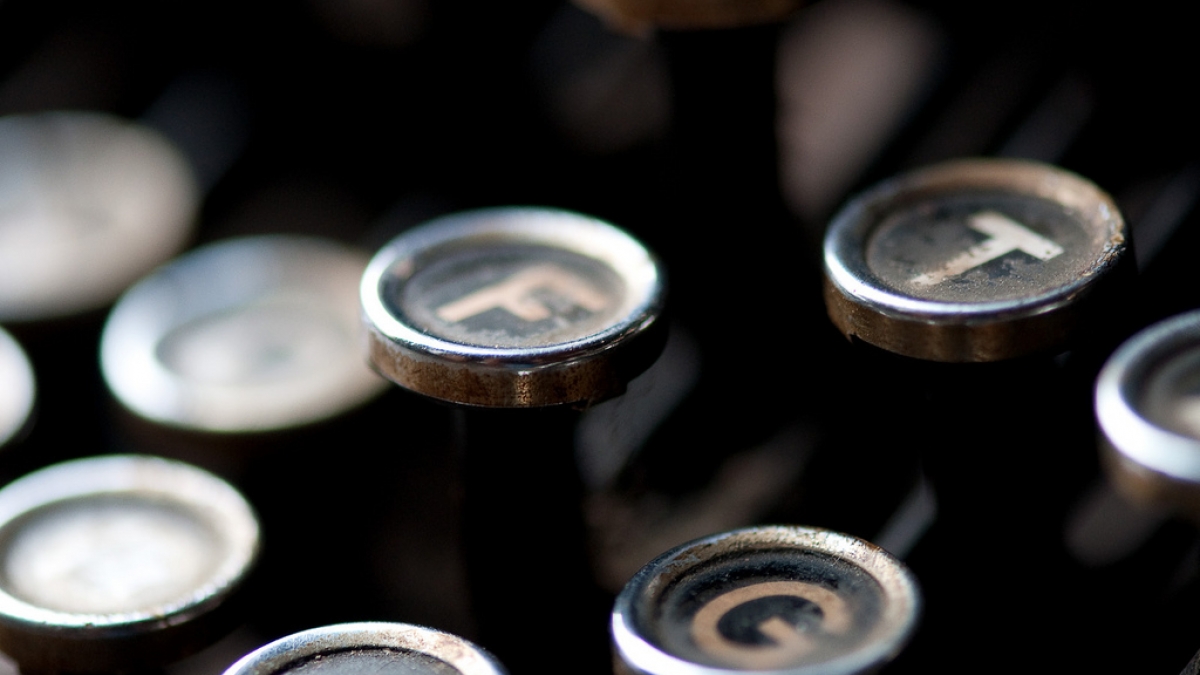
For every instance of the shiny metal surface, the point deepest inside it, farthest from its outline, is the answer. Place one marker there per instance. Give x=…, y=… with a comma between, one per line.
x=362, y=648
x=785, y=599
x=972, y=260
x=88, y=204
x=246, y=335
x=17, y=388
x=1148, y=407
x=118, y=562
x=513, y=307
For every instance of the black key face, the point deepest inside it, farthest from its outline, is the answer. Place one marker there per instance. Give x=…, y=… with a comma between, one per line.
x=980, y=247
x=372, y=662
x=769, y=610
x=517, y=296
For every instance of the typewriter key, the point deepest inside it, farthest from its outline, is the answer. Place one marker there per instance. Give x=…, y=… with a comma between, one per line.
x=16, y=389
x=975, y=260
x=780, y=599
x=1148, y=408
x=88, y=204
x=118, y=563
x=513, y=308
x=247, y=335
x=350, y=648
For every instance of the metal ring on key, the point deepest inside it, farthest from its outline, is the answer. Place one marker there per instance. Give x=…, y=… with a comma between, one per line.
x=368, y=647
x=972, y=260
x=119, y=563
x=786, y=599
x=514, y=307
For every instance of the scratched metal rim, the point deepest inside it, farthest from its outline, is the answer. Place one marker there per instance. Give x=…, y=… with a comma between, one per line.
x=898, y=590
x=151, y=632
x=291, y=651
x=1164, y=462
x=92, y=203
x=862, y=305
x=18, y=389
x=591, y=367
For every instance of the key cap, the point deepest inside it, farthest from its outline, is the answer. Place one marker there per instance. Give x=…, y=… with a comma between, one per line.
x=972, y=261
x=88, y=204
x=119, y=563
x=784, y=599
x=17, y=389
x=1147, y=406
x=369, y=647
x=513, y=308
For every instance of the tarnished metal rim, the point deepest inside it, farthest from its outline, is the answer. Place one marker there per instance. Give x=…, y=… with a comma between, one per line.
x=902, y=600
x=37, y=635
x=860, y=305
x=289, y=651
x=590, y=368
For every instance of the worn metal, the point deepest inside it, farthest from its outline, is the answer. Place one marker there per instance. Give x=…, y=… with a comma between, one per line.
x=119, y=563
x=514, y=307
x=972, y=260
x=788, y=600
x=369, y=647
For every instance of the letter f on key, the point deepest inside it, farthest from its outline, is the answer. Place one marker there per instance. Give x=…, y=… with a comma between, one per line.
x=515, y=295
x=1005, y=235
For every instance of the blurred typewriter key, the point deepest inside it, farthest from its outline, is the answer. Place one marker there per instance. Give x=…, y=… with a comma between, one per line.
x=1147, y=399
x=368, y=647
x=783, y=599
x=119, y=563
x=88, y=204
x=247, y=335
x=974, y=260
x=16, y=389
x=520, y=314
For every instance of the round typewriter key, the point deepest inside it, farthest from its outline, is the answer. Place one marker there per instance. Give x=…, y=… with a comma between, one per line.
x=516, y=307
x=16, y=388
x=88, y=204
x=1148, y=407
x=118, y=563
x=781, y=599
x=353, y=648
x=975, y=260
x=246, y=335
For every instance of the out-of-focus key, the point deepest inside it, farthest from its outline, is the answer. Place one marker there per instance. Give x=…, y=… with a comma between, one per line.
x=368, y=648
x=514, y=308
x=247, y=335
x=1148, y=407
x=88, y=204
x=16, y=389
x=792, y=600
x=975, y=260
x=119, y=563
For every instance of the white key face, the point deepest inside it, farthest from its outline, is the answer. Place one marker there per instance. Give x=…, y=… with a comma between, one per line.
x=515, y=296
x=981, y=248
